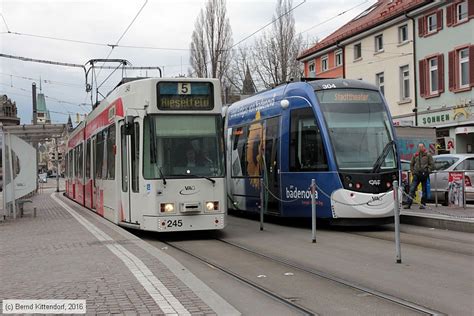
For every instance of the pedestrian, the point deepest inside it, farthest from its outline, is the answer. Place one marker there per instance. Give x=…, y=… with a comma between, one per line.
x=420, y=166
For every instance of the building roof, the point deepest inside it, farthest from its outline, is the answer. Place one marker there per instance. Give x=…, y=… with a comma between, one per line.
x=41, y=104
x=379, y=13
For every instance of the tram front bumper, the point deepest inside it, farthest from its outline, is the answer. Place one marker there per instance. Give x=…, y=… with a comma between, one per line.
x=350, y=204
x=184, y=223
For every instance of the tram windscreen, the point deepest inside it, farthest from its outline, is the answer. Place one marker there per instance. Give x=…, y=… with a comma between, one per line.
x=183, y=145
x=359, y=128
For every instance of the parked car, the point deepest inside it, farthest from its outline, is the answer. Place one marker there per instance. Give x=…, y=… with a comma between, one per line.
x=451, y=162
x=43, y=177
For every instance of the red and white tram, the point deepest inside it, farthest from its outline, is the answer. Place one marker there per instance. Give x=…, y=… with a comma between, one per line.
x=151, y=156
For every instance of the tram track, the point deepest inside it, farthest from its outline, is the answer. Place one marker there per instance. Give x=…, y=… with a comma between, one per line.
x=280, y=299
x=399, y=301
x=416, y=308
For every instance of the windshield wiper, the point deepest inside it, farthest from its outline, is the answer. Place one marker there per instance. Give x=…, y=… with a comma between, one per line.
x=380, y=159
x=162, y=175
x=196, y=176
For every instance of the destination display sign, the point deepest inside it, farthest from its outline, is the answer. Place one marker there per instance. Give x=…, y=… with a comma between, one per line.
x=348, y=96
x=185, y=96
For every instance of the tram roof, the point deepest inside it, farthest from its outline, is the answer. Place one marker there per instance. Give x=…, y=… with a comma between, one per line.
x=265, y=101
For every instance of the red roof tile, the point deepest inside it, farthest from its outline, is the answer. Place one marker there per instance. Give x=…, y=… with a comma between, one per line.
x=380, y=12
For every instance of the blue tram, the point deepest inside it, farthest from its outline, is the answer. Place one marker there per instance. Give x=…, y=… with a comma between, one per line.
x=336, y=131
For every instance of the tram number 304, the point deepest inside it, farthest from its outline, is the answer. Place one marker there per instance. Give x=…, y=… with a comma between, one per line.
x=174, y=223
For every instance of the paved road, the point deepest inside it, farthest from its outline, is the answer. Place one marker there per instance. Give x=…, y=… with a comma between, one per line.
x=437, y=268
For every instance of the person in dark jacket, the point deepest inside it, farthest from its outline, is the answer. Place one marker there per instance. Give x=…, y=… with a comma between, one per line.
x=420, y=167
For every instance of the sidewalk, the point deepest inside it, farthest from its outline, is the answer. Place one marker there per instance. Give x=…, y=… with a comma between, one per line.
x=67, y=252
x=443, y=217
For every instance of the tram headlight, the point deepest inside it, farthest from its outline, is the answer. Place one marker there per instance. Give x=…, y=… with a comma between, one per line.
x=166, y=207
x=212, y=205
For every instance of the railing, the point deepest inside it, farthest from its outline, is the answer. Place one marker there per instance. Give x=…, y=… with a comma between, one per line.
x=450, y=190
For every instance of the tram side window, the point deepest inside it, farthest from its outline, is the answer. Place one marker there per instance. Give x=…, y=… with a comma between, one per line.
x=76, y=162
x=135, y=153
x=66, y=165
x=246, y=150
x=239, y=145
x=111, y=152
x=99, y=158
x=80, y=161
x=88, y=159
x=306, y=145
x=71, y=163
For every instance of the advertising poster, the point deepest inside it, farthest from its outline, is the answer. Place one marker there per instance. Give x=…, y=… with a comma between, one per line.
x=455, y=189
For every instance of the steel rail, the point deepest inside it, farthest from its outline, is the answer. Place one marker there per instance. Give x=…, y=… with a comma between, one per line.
x=388, y=297
x=244, y=280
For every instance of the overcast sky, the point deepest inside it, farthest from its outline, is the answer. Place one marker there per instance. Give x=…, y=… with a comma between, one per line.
x=165, y=25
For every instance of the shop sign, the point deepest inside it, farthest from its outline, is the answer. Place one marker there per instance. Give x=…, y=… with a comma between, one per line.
x=455, y=188
x=435, y=118
x=460, y=113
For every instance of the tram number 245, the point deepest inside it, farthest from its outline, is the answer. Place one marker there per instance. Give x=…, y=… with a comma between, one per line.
x=174, y=223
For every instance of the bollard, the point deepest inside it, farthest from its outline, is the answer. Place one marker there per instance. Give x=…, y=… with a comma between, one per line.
x=396, y=212
x=261, y=204
x=436, y=188
x=34, y=211
x=313, y=210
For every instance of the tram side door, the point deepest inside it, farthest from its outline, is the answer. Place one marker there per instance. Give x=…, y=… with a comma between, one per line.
x=272, y=164
x=136, y=199
x=124, y=210
x=93, y=172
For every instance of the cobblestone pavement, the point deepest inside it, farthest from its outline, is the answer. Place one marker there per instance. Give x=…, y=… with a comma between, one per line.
x=52, y=256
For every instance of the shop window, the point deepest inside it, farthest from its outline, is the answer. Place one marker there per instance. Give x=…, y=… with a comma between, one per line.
x=431, y=71
x=379, y=43
x=461, y=72
x=357, y=51
x=380, y=81
x=403, y=34
x=324, y=63
x=430, y=24
x=459, y=12
x=338, y=58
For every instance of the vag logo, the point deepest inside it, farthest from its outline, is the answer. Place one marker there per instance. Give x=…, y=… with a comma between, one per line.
x=374, y=182
x=188, y=190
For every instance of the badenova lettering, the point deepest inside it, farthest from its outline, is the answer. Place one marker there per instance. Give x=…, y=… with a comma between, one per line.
x=294, y=193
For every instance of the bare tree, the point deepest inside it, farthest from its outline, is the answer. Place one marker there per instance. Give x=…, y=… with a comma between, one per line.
x=211, y=41
x=242, y=61
x=276, y=51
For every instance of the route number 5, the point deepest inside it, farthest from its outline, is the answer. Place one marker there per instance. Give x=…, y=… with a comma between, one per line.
x=184, y=88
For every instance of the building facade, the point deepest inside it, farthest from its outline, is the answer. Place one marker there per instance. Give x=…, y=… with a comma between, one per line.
x=445, y=60
x=384, y=56
x=376, y=46
x=420, y=53
x=8, y=111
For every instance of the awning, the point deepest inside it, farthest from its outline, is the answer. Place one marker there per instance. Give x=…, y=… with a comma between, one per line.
x=36, y=133
x=465, y=130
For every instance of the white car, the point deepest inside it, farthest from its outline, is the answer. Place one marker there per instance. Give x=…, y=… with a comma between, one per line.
x=439, y=183
x=43, y=178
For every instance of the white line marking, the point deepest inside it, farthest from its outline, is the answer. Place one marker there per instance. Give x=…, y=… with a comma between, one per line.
x=157, y=290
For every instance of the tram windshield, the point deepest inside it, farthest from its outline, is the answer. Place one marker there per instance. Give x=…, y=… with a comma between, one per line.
x=359, y=128
x=182, y=146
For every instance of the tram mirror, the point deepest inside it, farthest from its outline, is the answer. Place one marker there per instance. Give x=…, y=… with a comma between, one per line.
x=129, y=125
